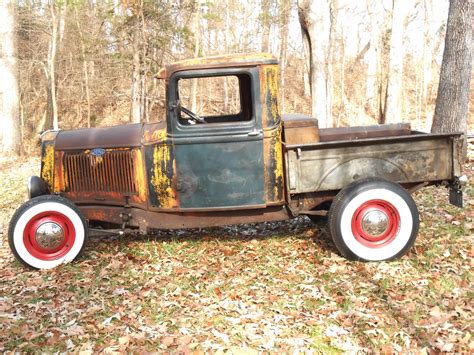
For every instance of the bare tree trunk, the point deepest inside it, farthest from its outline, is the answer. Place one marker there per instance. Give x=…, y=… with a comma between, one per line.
x=52, y=119
x=9, y=92
x=393, y=102
x=144, y=67
x=373, y=58
x=138, y=91
x=428, y=51
x=135, y=107
x=155, y=87
x=284, y=20
x=314, y=18
x=265, y=20
x=84, y=68
x=197, y=44
x=342, y=81
x=418, y=97
x=452, y=102
x=226, y=48
x=307, y=65
x=331, y=55
x=143, y=96
x=245, y=43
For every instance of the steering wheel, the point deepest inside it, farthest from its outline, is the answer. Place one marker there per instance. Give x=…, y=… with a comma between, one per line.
x=193, y=116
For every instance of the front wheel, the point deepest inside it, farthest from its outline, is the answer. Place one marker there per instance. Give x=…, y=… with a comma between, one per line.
x=47, y=231
x=373, y=220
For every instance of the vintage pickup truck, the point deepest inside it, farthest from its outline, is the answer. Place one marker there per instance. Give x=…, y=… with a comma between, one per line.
x=248, y=165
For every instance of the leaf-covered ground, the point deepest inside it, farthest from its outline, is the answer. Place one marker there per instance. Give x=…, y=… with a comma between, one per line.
x=265, y=287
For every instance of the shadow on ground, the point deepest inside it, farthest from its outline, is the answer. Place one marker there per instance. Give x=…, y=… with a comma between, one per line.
x=297, y=228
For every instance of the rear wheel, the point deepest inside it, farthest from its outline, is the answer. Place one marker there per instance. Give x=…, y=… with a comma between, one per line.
x=373, y=220
x=47, y=231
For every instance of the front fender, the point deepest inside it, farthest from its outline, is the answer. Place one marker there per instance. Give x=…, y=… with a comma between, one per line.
x=37, y=187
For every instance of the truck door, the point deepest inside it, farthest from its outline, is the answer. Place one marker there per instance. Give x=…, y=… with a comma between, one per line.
x=217, y=138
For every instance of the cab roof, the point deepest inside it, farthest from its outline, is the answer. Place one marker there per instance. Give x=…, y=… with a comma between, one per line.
x=221, y=61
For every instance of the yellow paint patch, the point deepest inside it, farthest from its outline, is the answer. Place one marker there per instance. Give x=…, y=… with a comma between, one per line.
x=269, y=95
x=274, y=91
x=159, y=135
x=162, y=164
x=140, y=175
x=152, y=134
x=59, y=173
x=278, y=164
x=47, y=165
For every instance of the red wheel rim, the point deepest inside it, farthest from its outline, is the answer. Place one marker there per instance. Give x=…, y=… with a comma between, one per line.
x=383, y=230
x=61, y=247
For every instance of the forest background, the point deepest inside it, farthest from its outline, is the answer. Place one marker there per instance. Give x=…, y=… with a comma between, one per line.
x=92, y=63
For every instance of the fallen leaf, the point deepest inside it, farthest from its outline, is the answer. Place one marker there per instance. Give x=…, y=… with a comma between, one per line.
x=167, y=341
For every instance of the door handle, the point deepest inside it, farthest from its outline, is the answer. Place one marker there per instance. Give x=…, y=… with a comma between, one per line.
x=254, y=133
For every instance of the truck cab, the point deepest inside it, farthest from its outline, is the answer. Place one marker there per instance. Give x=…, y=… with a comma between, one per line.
x=228, y=160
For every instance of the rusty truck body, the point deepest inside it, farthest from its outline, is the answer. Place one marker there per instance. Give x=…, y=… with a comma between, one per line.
x=253, y=165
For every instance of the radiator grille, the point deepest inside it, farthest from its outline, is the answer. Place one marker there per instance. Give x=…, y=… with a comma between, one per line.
x=111, y=172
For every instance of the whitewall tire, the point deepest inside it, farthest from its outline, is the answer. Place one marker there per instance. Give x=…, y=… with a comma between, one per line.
x=47, y=231
x=373, y=220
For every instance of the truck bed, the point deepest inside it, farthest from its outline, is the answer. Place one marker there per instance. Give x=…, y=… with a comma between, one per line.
x=340, y=158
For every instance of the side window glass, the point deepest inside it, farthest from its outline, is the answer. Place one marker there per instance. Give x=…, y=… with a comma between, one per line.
x=215, y=99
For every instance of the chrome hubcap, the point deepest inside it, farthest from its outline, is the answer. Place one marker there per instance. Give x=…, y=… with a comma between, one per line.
x=49, y=235
x=375, y=223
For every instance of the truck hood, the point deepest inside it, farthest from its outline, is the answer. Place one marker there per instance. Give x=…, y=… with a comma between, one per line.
x=129, y=135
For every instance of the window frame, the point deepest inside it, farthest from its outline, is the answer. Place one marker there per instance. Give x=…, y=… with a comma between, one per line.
x=223, y=115
x=217, y=128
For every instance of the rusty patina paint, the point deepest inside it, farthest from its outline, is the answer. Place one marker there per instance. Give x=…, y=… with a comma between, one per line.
x=313, y=201
x=277, y=155
x=102, y=214
x=300, y=130
x=140, y=176
x=162, y=176
x=59, y=184
x=364, y=132
x=271, y=123
x=159, y=160
x=94, y=186
x=273, y=158
x=269, y=93
x=222, y=61
x=95, y=197
x=178, y=220
x=154, y=133
x=330, y=166
x=47, y=163
x=102, y=137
